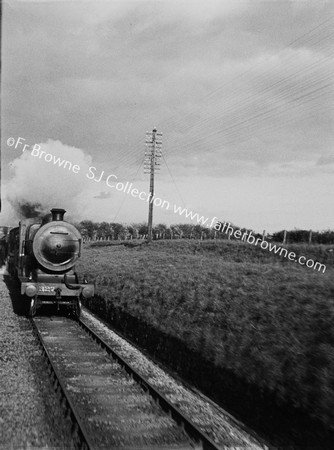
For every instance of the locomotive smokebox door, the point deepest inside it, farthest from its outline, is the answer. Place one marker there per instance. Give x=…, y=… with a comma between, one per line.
x=57, y=245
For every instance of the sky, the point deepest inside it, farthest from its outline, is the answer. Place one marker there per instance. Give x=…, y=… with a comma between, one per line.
x=242, y=92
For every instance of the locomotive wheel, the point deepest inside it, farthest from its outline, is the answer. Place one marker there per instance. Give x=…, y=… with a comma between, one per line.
x=77, y=310
x=33, y=307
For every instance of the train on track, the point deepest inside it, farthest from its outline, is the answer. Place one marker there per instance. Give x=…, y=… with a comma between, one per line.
x=41, y=256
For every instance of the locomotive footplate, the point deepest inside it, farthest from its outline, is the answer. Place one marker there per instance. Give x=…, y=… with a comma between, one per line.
x=60, y=292
x=49, y=289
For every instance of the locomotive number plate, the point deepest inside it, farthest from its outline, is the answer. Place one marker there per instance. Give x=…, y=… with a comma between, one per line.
x=46, y=289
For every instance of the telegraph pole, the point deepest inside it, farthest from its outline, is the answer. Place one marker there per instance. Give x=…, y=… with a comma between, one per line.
x=151, y=164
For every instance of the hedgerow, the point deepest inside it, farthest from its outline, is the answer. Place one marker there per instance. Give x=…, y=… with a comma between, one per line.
x=268, y=320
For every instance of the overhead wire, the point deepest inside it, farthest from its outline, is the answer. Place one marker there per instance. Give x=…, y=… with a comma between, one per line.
x=138, y=149
x=250, y=124
x=250, y=99
x=247, y=71
x=246, y=117
x=248, y=102
x=238, y=128
x=174, y=182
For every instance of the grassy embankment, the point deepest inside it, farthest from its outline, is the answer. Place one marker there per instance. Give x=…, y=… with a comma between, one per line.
x=237, y=308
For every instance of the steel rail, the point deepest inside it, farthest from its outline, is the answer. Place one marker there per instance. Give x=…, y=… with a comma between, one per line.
x=190, y=427
x=79, y=434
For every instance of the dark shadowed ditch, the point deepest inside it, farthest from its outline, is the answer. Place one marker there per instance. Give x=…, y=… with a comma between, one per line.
x=279, y=423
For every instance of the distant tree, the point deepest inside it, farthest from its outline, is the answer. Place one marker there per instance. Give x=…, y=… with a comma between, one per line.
x=104, y=230
x=210, y=233
x=87, y=229
x=325, y=237
x=300, y=236
x=143, y=229
x=197, y=231
x=131, y=231
x=186, y=229
x=118, y=230
x=135, y=227
x=160, y=230
x=178, y=233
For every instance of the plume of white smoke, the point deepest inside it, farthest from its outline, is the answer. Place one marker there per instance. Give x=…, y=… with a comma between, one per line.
x=41, y=182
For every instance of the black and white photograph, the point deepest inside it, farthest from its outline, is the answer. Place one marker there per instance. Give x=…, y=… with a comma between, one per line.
x=166, y=228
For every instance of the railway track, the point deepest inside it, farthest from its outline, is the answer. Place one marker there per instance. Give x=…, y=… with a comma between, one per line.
x=111, y=405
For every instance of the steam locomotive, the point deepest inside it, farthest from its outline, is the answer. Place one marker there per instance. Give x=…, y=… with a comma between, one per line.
x=41, y=256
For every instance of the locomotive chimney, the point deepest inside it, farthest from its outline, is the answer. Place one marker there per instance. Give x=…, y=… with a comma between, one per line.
x=57, y=214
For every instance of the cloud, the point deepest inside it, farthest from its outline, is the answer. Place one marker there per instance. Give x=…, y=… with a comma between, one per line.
x=97, y=75
x=42, y=181
x=222, y=81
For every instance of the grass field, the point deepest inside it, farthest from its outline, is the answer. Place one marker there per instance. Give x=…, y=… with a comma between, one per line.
x=266, y=319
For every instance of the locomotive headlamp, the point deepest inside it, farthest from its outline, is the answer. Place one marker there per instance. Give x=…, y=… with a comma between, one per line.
x=88, y=291
x=31, y=290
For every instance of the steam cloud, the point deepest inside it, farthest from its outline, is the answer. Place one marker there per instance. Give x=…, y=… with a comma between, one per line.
x=38, y=185
x=29, y=210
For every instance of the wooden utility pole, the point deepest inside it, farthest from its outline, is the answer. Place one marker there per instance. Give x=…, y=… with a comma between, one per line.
x=151, y=164
x=284, y=237
x=310, y=237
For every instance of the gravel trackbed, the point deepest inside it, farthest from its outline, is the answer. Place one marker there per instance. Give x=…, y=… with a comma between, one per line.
x=30, y=416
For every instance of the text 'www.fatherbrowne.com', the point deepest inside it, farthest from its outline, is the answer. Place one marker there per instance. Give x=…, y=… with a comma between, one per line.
x=248, y=236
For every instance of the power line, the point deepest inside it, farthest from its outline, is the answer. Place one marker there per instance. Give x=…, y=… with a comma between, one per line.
x=248, y=104
x=314, y=66
x=246, y=72
x=177, y=189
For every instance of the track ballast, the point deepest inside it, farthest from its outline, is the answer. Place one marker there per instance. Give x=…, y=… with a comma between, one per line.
x=110, y=403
